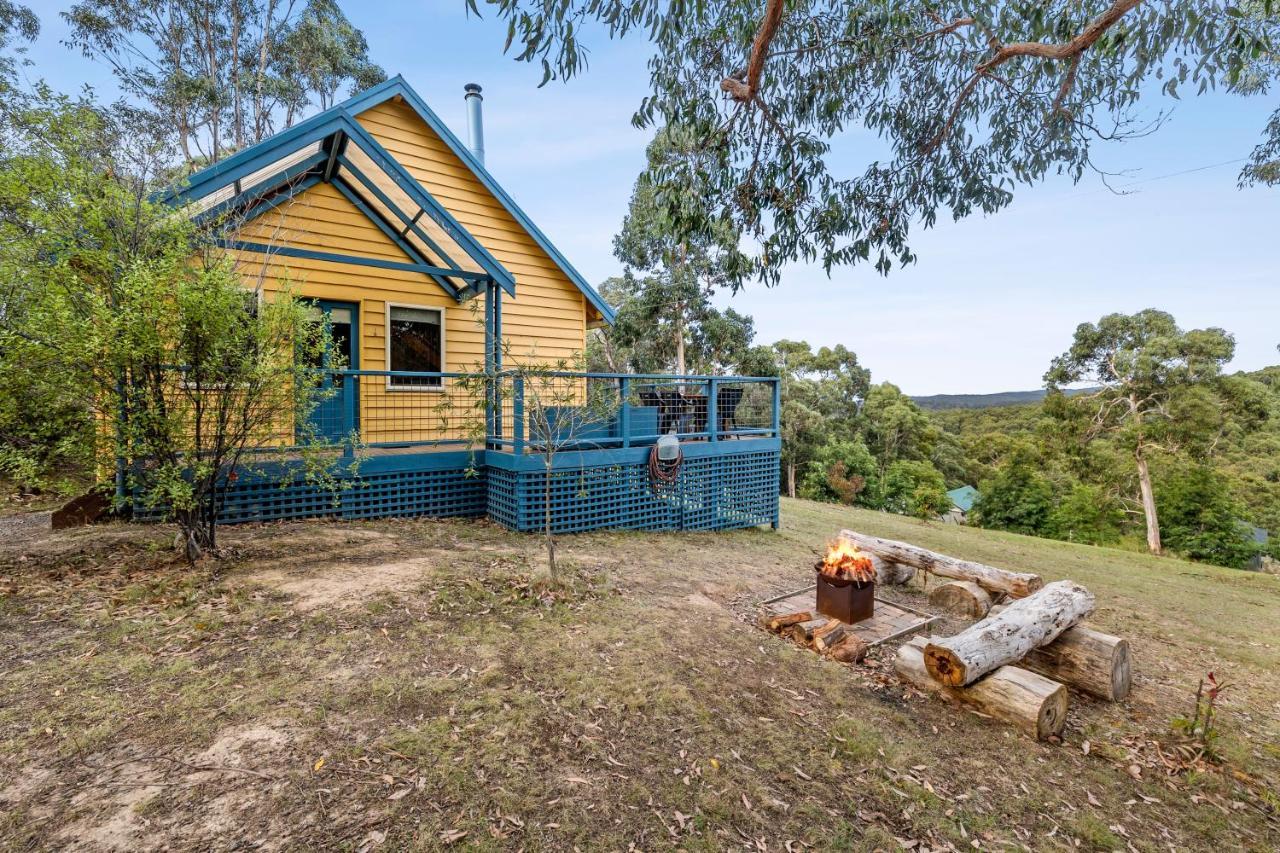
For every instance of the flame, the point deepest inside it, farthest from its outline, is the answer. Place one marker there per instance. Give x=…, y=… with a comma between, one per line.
x=845, y=561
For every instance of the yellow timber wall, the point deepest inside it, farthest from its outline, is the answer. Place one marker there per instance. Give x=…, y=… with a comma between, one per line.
x=545, y=321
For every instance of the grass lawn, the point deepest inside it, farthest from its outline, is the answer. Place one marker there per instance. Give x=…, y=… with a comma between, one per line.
x=406, y=685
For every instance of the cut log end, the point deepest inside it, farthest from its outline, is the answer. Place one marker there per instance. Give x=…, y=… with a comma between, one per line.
x=849, y=650
x=1121, y=672
x=944, y=666
x=963, y=598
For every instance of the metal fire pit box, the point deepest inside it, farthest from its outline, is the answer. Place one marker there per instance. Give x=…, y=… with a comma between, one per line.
x=847, y=600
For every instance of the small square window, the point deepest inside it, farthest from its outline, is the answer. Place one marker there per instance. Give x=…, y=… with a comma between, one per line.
x=416, y=342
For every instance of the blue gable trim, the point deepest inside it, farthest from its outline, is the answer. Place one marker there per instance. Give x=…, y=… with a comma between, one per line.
x=340, y=117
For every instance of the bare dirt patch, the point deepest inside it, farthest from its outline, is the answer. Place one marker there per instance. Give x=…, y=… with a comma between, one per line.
x=345, y=584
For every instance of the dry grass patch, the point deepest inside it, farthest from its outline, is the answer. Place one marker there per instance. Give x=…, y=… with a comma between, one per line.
x=412, y=685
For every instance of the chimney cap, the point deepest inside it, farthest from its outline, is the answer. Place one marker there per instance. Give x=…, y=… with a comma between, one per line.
x=472, y=89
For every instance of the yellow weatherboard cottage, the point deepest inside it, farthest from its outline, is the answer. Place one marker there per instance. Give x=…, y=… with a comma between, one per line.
x=430, y=275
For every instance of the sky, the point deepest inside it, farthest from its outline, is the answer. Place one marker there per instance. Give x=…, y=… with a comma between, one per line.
x=990, y=301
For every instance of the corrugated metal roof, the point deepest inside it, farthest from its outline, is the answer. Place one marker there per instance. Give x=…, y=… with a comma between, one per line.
x=963, y=497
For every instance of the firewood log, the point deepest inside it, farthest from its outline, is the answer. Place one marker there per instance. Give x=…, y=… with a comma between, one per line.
x=786, y=620
x=1016, y=584
x=1030, y=702
x=1008, y=636
x=1087, y=660
x=851, y=649
x=964, y=598
x=889, y=573
x=828, y=635
x=802, y=632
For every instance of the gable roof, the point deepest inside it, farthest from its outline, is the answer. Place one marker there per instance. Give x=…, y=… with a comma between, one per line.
x=963, y=497
x=318, y=149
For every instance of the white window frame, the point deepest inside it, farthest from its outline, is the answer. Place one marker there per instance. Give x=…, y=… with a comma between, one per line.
x=434, y=389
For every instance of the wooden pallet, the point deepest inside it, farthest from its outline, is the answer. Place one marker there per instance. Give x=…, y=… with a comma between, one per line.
x=890, y=621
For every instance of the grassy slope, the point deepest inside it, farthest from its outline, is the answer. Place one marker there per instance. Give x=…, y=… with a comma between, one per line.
x=446, y=698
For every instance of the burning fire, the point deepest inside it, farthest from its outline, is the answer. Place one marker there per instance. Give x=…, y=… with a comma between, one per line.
x=846, y=562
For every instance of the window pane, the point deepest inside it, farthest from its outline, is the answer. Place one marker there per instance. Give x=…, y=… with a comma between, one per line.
x=416, y=345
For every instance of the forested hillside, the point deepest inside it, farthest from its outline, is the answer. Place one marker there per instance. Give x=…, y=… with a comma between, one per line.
x=1035, y=477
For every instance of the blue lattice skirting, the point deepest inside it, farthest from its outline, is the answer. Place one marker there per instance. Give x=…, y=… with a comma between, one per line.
x=721, y=486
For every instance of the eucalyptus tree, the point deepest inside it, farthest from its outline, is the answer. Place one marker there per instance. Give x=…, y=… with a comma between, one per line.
x=1158, y=389
x=672, y=275
x=970, y=99
x=223, y=74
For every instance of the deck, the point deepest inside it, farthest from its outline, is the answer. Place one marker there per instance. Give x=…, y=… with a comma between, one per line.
x=503, y=445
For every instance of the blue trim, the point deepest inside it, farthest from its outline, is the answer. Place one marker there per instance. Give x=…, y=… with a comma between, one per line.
x=385, y=227
x=279, y=181
x=254, y=157
x=391, y=166
x=293, y=252
x=337, y=120
x=410, y=224
x=322, y=124
x=569, y=460
x=397, y=86
x=280, y=198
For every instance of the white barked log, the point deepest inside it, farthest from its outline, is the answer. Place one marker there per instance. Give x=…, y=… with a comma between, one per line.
x=1032, y=703
x=1014, y=584
x=1008, y=636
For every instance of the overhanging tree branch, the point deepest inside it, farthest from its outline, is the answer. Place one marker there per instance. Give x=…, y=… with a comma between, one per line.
x=745, y=89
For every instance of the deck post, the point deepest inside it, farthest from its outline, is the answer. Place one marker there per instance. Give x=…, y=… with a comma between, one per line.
x=713, y=425
x=624, y=410
x=496, y=293
x=777, y=407
x=517, y=415
x=351, y=387
x=490, y=386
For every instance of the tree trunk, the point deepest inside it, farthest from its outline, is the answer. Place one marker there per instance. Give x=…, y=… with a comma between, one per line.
x=1030, y=702
x=791, y=479
x=1088, y=660
x=546, y=525
x=1009, y=636
x=1148, y=502
x=964, y=598
x=1016, y=584
x=680, y=371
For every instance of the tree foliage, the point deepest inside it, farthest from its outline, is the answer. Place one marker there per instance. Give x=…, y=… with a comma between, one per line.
x=1159, y=389
x=125, y=321
x=969, y=101
x=666, y=320
x=223, y=74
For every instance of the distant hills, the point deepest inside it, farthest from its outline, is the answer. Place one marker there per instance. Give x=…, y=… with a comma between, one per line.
x=986, y=401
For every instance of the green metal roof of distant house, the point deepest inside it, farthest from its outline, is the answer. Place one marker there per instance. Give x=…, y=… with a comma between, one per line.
x=963, y=497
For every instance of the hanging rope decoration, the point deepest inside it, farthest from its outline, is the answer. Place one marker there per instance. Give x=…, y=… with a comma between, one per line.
x=664, y=473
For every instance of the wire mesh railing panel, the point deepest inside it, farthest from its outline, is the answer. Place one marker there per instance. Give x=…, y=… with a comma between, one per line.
x=563, y=410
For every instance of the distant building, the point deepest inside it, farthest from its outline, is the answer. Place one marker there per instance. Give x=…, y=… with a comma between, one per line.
x=962, y=500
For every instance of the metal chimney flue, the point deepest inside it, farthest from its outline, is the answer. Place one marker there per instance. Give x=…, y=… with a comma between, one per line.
x=475, y=120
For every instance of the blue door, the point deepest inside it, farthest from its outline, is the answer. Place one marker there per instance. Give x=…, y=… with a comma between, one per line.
x=336, y=415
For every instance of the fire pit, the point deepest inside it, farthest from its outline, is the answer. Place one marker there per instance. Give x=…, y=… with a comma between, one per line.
x=846, y=580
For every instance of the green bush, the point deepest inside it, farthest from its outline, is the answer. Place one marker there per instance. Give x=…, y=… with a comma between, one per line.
x=1200, y=519
x=1087, y=514
x=1018, y=498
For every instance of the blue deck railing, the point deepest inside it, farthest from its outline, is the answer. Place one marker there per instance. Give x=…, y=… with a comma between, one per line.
x=521, y=412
